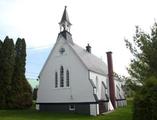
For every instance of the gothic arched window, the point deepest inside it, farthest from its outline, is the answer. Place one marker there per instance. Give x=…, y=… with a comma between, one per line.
x=67, y=78
x=56, y=79
x=61, y=76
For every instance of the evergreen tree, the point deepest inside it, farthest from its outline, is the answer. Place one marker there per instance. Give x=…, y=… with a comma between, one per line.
x=21, y=90
x=7, y=68
x=0, y=67
x=1, y=43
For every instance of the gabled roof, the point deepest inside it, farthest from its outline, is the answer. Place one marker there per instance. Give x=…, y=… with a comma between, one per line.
x=91, y=62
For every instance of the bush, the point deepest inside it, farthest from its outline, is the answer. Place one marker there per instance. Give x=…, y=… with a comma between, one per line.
x=145, y=101
x=35, y=93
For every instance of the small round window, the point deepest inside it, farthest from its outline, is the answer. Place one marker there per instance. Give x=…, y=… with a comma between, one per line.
x=62, y=50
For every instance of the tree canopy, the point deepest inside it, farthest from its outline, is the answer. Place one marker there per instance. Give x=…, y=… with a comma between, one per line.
x=21, y=90
x=15, y=91
x=144, y=50
x=143, y=68
x=0, y=44
x=7, y=68
x=0, y=59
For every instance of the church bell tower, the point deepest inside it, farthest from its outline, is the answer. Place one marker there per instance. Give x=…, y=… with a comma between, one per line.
x=65, y=23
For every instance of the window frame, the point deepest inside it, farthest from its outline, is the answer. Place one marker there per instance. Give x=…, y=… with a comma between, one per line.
x=61, y=76
x=56, y=80
x=67, y=78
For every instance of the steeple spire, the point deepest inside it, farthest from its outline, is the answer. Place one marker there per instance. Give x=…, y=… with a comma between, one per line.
x=65, y=23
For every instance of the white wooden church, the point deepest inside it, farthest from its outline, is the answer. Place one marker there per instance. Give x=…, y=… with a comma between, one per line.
x=74, y=80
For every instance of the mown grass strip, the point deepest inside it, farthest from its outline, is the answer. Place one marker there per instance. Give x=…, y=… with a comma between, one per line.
x=124, y=113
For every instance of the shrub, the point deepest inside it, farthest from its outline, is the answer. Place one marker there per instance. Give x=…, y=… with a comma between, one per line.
x=145, y=101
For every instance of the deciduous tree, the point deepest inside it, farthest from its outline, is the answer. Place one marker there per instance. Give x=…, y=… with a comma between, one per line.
x=143, y=69
x=144, y=50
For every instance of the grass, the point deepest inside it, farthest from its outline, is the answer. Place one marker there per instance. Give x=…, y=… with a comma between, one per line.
x=31, y=114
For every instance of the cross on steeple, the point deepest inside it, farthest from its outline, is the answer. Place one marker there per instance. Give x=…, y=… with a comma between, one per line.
x=65, y=23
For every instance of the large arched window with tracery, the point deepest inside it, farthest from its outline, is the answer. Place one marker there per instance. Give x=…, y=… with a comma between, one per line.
x=61, y=76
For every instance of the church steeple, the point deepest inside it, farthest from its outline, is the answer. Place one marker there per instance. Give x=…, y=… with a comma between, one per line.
x=65, y=23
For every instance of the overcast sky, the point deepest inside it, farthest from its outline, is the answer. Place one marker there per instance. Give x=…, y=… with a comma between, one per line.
x=102, y=23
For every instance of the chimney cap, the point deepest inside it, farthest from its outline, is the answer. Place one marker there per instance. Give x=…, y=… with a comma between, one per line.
x=109, y=52
x=88, y=45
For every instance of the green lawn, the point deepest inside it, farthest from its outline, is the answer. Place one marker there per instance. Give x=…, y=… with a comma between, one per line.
x=119, y=114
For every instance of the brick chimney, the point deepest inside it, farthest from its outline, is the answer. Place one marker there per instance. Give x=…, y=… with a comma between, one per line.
x=111, y=79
